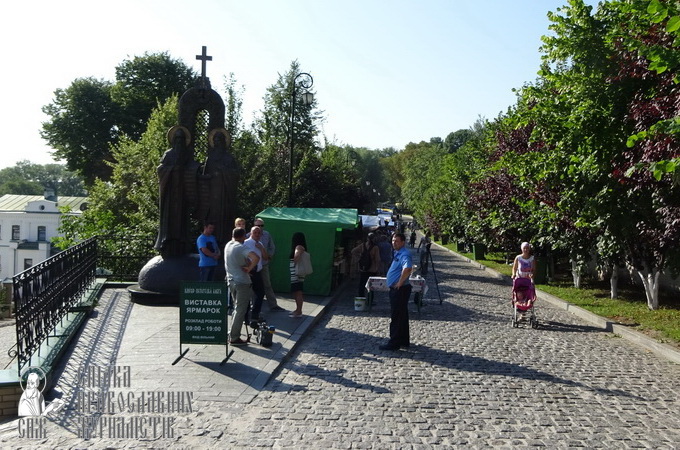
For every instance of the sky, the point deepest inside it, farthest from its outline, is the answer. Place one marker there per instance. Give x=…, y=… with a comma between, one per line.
x=386, y=72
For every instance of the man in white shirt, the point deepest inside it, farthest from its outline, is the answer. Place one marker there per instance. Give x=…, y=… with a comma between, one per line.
x=239, y=261
x=268, y=244
x=254, y=245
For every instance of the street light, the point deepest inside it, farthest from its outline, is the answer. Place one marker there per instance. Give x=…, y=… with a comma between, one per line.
x=305, y=81
x=352, y=155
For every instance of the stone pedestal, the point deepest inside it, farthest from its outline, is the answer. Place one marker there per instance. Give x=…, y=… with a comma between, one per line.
x=160, y=279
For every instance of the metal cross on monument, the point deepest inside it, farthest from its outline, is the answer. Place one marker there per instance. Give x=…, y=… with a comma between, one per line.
x=203, y=57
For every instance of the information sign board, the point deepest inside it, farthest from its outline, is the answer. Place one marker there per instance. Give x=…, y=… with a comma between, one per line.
x=203, y=313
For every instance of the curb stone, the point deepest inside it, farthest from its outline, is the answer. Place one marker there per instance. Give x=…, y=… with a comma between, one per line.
x=636, y=337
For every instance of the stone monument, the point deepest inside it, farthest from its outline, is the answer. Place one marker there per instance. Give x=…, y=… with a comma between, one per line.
x=191, y=193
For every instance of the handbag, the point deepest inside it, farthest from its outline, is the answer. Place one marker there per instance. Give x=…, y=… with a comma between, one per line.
x=304, y=266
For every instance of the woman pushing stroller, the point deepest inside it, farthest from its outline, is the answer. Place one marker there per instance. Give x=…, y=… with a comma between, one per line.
x=525, y=264
x=523, y=290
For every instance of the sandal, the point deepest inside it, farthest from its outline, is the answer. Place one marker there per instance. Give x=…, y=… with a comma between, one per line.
x=294, y=315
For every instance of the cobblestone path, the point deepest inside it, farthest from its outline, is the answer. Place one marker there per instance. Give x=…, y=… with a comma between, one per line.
x=469, y=380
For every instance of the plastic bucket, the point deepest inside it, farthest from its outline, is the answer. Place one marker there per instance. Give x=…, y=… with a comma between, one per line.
x=359, y=303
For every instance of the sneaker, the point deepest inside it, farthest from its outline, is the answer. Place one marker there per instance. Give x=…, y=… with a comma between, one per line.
x=238, y=341
x=295, y=316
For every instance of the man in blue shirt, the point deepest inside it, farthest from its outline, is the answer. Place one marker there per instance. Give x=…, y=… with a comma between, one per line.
x=400, y=290
x=208, y=252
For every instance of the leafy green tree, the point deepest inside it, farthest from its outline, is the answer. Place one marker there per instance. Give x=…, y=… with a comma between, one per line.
x=233, y=105
x=645, y=38
x=91, y=115
x=144, y=82
x=421, y=170
x=128, y=202
x=456, y=139
x=273, y=130
x=595, y=89
x=82, y=125
x=21, y=187
x=33, y=179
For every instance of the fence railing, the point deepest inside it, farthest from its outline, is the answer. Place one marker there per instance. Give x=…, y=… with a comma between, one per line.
x=46, y=292
x=121, y=257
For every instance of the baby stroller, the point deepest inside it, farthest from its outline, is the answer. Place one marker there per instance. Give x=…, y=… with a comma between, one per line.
x=523, y=299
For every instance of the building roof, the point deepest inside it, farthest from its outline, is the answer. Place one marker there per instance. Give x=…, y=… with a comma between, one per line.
x=17, y=203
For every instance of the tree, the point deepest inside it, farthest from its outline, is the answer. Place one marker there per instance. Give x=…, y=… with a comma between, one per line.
x=421, y=170
x=456, y=139
x=273, y=130
x=33, y=179
x=234, y=105
x=82, y=125
x=144, y=82
x=645, y=36
x=596, y=89
x=127, y=203
x=91, y=115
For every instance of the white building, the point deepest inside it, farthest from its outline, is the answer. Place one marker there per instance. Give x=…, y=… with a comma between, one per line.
x=27, y=224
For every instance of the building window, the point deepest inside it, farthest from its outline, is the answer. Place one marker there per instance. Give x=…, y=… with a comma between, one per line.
x=28, y=263
x=42, y=233
x=16, y=232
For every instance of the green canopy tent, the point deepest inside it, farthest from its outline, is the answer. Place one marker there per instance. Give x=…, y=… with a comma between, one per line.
x=322, y=228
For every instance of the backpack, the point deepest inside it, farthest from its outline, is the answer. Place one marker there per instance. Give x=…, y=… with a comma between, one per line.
x=365, y=259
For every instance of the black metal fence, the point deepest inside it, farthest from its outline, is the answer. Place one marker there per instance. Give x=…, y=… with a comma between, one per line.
x=44, y=294
x=121, y=256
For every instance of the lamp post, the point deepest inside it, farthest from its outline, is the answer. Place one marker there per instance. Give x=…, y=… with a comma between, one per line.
x=305, y=81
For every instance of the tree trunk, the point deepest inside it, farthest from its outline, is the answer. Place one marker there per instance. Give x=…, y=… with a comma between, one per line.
x=650, y=280
x=614, y=281
x=576, y=274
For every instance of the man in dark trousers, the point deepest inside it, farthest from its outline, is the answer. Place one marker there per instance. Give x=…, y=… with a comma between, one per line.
x=400, y=291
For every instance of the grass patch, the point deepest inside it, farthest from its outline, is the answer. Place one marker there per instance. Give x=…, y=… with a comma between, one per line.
x=629, y=309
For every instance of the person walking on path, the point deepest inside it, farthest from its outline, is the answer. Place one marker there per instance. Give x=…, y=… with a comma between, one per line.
x=268, y=244
x=400, y=291
x=208, y=252
x=297, y=248
x=238, y=262
x=524, y=265
x=368, y=254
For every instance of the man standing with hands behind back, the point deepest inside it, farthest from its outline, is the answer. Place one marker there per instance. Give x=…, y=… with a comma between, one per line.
x=254, y=245
x=400, y=291
x=239, y=261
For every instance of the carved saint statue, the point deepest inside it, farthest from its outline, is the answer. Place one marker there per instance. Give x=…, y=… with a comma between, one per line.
x=221, y=176
x=177, y=183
